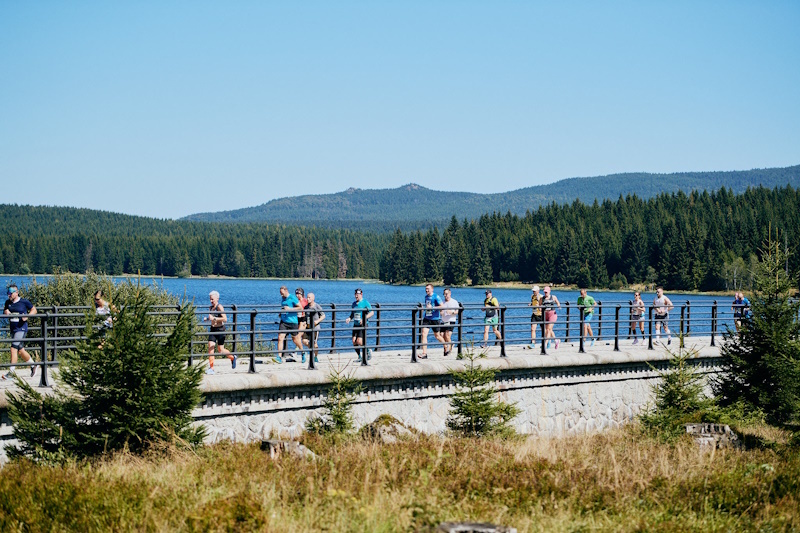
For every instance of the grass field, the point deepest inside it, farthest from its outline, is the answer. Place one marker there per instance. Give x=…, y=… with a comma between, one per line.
x=614, y=481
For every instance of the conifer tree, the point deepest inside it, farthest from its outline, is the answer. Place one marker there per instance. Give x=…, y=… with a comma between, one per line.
x=127, y=389
x=760, y=364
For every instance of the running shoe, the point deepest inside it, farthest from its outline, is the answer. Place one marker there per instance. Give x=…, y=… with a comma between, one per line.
x=278, y=359
x=33, y=370
x=369, y=355
x=591, y=343
x=557, y=343
x=303, y=357
x=210, y=371
x=233, y=362
x=9, y=375
x=669, y=341
x=316, y=359
x=290, y=358
x=636, y=341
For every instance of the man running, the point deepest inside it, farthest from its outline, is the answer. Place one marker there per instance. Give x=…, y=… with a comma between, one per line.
x=492, y=309
x=637, y=316
x=290, y=306
x=663, y=306
x=312, y=329
x=18, y=328
x=431, y=319
x=361, y=312
x=449, y=319
x=587, y=303
x=216, y=341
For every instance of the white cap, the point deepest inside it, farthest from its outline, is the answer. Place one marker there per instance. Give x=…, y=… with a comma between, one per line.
x=535, y=288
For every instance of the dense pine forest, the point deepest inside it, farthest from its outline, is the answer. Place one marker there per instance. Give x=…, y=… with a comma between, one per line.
x=50, y=239
x=700, y=241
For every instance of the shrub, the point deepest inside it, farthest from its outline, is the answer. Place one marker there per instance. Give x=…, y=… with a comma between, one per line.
x=679, y=397
x=128, y=389
x=337, y=416
x=474, y=409
x=761, y=363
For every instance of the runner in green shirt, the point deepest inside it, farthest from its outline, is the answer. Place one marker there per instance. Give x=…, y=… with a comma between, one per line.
x=588, y=303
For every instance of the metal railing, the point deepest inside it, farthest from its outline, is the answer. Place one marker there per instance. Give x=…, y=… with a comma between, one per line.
x=253, y=331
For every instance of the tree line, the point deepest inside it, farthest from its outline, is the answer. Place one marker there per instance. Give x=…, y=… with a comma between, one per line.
x=696, y=241
x=59, y=239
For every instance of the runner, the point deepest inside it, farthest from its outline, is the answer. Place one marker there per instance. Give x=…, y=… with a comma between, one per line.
x=588, y=303
x=18, y=328
x=449, y=319
x=216, y=341
x=361, y=309
x=491, y=308
x=741, y=309
x=313, y=329
x=551, y=305
x=289, y=326
x=536, y=314
x=637, y=316
x=431, y=319
x=663, y=306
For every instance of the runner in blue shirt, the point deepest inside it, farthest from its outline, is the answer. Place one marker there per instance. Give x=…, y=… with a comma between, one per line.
x=290, y=306
x=431, y=319
x=18, y=327
x=360, y=308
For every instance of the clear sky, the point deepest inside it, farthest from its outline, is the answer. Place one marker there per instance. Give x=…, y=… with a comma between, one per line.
x=166, y=108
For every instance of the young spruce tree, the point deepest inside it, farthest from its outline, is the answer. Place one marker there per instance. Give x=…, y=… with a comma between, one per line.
x=475, y=410
x=127, y=389
x=761, y=363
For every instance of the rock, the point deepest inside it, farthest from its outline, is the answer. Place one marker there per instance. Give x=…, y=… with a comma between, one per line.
x=387, y=430
x=276, y=448
x=714, y=435
x=473, y=527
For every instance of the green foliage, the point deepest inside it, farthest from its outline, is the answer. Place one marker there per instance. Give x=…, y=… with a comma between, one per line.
x=337, y=416
x=679, y=397
x=475, y=410
x=123, y=388
x=761, y=363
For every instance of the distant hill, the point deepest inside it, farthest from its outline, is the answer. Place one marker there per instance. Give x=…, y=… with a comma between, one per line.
x=413, y=206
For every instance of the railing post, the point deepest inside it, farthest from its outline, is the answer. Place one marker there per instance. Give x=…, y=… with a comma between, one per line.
x=414, y=335
x=599, y=320
x=43, y=380
x=616, y=328
x=252, y=368
x=683, y=316
x=233, y=328
x=713, y=322
x=544, y=341
x=688, y=318
x=459, y=326
x=566, y=337
x=377, y=327
x=503, y=331
x=312, y=339
x=650, y=328
x=333, y=327
x=364, y=354
x=580, y=324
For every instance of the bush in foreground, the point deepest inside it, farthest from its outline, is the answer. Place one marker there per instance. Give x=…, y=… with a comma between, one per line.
x=127, y=388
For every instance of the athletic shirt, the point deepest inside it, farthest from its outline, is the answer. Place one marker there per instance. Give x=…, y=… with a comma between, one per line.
x=450, y=311
x=636, y=308
x=661, y=305
x=587, y=303
x=215, y=312
x=549, y=303
x=434, y=301
x=290, y=301
x=491, y=304
x=20, y=307
x=535, y=302
x=355, y=316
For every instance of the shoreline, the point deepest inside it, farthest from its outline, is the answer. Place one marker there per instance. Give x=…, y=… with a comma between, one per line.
x=519, y=285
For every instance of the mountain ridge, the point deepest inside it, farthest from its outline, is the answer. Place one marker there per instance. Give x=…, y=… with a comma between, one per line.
x=413, y=206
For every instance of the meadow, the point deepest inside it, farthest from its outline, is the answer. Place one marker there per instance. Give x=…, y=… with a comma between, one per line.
x=614, y=481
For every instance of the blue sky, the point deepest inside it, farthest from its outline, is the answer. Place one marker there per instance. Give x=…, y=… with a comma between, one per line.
x=169, y=108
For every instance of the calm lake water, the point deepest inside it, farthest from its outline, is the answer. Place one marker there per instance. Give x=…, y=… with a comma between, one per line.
x=245, y=293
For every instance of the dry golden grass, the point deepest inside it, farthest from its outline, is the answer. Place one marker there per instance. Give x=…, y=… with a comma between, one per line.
x=613, y=481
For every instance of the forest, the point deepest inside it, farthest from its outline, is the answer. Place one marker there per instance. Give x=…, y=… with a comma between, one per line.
x=696, y=241
x=699, y=241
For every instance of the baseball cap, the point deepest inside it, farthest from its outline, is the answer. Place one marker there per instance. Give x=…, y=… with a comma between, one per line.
x=535, y=288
